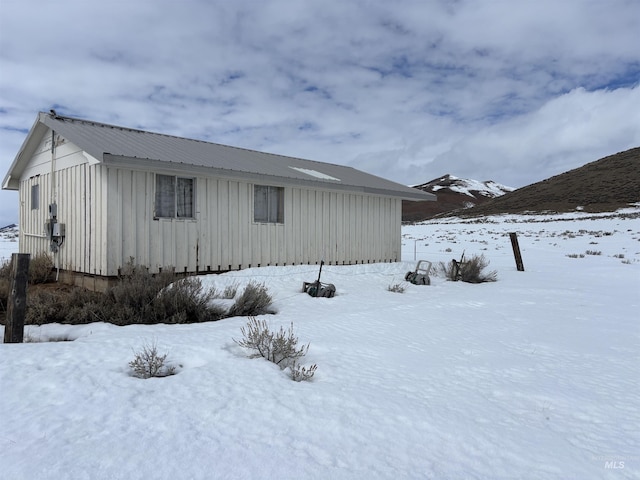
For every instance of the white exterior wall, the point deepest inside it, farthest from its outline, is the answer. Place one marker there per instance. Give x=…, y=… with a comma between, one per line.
x=108, y=215
x=75, y=187
x=318, y=225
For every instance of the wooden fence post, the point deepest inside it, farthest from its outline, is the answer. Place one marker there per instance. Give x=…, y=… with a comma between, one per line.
x=17, y=304
x=516, y=251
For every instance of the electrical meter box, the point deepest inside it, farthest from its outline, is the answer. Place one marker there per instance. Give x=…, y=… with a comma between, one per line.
x=58, y=230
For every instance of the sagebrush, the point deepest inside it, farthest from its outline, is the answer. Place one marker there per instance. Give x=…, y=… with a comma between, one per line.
x=138, y=297
x=148, y=363
x=396, y=288
x=254, y=300
x=40, y=269
x=470, y=270
x=230, y=291
x=298, y=373
x=279, y=347
x=64, y=305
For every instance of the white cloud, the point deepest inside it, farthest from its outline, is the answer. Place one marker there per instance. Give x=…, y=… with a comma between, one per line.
x=565, y=133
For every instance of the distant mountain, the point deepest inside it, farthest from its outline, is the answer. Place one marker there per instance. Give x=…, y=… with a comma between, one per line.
x=11, y=226
x=453, y=193
x=605, y=185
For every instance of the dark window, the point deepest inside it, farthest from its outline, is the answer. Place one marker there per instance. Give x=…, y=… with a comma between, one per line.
x=268, y=204
x=35, y=197
x=184, y=197
x=174, y=197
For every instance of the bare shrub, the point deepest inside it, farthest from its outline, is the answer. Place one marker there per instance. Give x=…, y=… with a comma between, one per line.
x=40, y=268
x=148, y=363
x=396, y=288
x=254, y=300
x=5, y=270
x=5, y=288
x=593, y=252
x=279, y=347
x=450, y=270
x=134, y=298
x=185, y=301
x=44, y=307
x=575, y=255
x=67, y=305
x=470, y=271
x=299, y=373
x=230, y=291
x=143, y=298
x=138, y=298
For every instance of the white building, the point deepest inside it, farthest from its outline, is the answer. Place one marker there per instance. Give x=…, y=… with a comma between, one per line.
x=95, y=196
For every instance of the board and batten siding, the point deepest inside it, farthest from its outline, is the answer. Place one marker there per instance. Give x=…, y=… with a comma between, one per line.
x=108, y=212
x=337, y=227
x=74, y=185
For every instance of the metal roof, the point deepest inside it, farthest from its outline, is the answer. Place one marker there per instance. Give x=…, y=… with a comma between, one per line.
x=141, y=149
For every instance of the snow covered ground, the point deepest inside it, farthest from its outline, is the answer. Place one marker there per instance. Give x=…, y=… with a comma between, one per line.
x=535, y=376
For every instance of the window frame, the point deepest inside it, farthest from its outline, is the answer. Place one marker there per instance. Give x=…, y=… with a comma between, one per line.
x=35, y=195
x=169, y=207
x=273, y=211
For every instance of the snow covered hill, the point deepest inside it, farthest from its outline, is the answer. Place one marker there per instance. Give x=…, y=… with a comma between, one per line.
x=8, y=241
x=453, y=193
x=472, y=188
x=605, y=185
x=608, y=184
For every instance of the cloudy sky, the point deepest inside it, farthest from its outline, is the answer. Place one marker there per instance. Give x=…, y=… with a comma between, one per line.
x=508, y=90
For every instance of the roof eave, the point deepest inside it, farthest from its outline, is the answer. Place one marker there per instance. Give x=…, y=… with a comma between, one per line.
x=181, y=168
x=10, y=183
x=420, y=197
x=12, y=178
